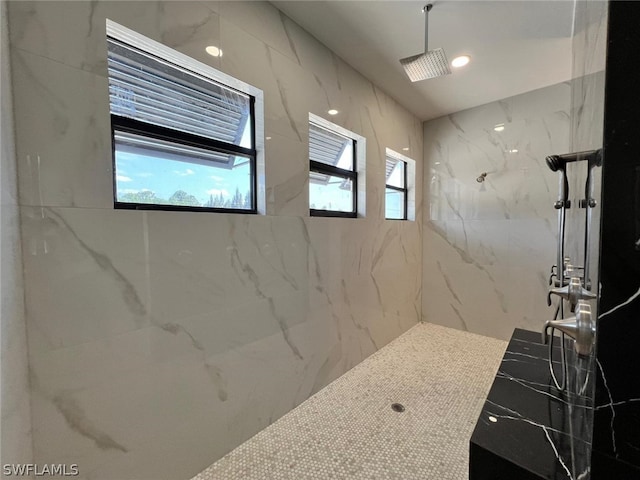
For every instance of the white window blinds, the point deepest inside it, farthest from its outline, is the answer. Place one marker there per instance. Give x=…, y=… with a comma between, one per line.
x=146, y=88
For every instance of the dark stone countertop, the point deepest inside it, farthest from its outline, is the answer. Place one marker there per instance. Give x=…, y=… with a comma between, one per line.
x=525, y=430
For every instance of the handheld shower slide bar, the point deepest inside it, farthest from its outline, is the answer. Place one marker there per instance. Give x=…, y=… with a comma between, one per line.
x=595, y=160
x=558, y=163
x=568, y=284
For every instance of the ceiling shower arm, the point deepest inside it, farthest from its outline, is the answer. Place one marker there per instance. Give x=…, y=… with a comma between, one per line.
x=426, y=9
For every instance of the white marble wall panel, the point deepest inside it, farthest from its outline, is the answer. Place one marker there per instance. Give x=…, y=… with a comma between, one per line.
x=205, y=343
x=69, y=108
x=15, y=401
x=36, y=27
x=288, y=174
x=161, y=340
x=86, y=275
x=488, y=247
x=264, y=22
x=249, y=280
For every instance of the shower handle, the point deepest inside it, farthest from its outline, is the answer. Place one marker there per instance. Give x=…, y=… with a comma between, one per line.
x=581, y=328
x=573, y=292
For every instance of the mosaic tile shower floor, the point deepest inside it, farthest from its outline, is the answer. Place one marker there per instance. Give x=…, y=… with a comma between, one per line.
x=348, y=430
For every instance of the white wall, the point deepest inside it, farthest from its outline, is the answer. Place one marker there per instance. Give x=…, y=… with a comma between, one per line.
x=488, y=252
x=159, y=341
x=488, y=248
x=15, y=439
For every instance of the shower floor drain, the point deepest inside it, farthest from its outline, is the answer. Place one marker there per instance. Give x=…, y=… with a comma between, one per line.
x=397, y=407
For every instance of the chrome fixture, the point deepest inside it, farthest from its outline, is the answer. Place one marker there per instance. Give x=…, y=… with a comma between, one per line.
x=572, y=293
x=589, y=203
x=562, y=204
x=558, y=163
x=572, y=283
x=482, y=177
x=431, y=63
x=581, y=328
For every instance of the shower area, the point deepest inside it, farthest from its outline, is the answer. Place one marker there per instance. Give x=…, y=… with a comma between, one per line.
x=509, y=201
x=150, y=344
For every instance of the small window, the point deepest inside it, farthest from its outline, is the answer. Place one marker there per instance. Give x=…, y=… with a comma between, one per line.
x=333, y=178
x=181, y=141
x=395, y=205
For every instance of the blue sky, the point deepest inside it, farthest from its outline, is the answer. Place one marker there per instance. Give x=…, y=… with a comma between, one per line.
x=164, y=177
x=135, y=173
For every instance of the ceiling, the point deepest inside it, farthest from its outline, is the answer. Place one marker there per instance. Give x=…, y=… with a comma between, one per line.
x=515, y=46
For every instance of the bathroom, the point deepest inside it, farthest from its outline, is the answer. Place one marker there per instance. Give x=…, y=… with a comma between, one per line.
x=148, y=343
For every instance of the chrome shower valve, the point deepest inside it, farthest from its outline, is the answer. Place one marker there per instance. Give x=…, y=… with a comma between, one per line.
x=573, y=292
x=582, y=328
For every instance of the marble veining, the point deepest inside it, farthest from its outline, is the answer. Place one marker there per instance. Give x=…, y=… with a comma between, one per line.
x=77, y=420
x=159, y=341
x=488, y=246
x=617, y=307
x=129, y=294
x=544, y=428
x=523, y=395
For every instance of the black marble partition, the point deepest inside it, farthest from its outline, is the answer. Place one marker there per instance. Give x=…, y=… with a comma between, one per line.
x=526, y=427
x=616, y=434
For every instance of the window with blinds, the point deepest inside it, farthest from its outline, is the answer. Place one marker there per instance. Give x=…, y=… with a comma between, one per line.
x=395, y=205
x=180, y=140
x=332, y=173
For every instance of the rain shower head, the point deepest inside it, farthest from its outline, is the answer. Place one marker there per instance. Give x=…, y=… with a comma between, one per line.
x=431, y=63
x=426, y=65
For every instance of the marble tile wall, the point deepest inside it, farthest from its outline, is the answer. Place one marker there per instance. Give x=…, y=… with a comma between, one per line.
x=488, y=247
x=158, y=341
x=15, y=405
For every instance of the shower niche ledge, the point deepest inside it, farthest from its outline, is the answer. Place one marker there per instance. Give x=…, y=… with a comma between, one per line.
x=524, y=430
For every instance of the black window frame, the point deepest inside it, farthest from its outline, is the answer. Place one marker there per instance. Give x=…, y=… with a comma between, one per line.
x=125, y=124
x=326, y=169
x=405, y=191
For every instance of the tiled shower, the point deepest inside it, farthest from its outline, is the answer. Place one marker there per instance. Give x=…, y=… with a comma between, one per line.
x=149, y=330
x=146, y=330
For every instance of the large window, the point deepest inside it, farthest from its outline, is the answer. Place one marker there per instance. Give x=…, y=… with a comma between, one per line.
x=395, y=205
x=181, y=140
x=332, y=173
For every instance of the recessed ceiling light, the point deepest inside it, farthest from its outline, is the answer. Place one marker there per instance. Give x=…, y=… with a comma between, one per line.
x=460, y=61
x=513, y=150
x=214, y=51
x=499, y=127
x=406, y=149
x=333, y=111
